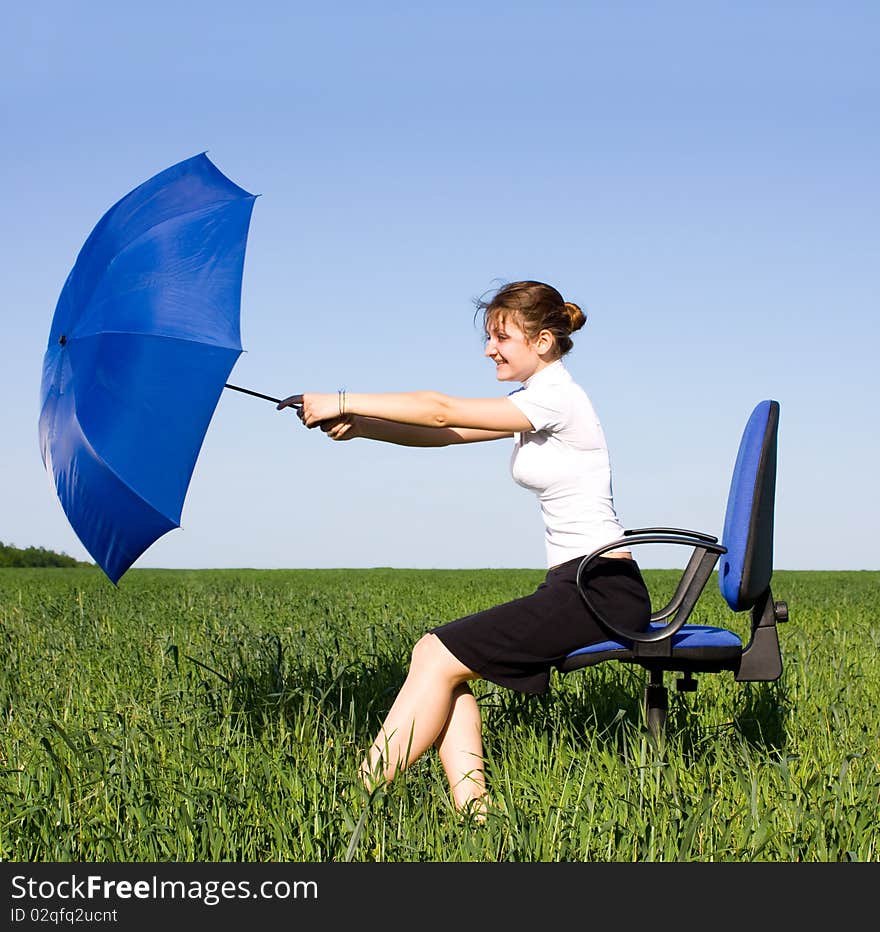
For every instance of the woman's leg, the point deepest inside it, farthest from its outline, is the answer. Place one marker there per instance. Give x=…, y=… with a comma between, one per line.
x=431, y=708
x=460, y=746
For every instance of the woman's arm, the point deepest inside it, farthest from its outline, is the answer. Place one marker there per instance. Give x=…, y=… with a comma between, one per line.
x=371, y=428
x=418, y=409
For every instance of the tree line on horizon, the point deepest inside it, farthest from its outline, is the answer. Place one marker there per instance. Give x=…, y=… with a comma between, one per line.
x=12, y=556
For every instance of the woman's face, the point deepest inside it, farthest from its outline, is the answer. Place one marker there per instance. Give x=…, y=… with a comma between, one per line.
x=515, y=358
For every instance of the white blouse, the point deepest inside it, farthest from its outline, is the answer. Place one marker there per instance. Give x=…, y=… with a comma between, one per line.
x=565, y=461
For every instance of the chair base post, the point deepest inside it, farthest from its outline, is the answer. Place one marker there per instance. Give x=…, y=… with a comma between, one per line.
x=656, y=704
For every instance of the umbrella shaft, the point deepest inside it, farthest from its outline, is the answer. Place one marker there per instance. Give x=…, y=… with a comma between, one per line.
x=247, y=391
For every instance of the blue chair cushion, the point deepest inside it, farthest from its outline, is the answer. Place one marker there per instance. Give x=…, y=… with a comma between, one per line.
x=687, y=637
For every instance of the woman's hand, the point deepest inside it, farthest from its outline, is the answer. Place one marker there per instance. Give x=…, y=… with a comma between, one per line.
x=313, y=408
x=322, y=411
x=340, y=428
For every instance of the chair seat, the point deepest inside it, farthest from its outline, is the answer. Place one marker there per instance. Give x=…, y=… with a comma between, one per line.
x=690, y=642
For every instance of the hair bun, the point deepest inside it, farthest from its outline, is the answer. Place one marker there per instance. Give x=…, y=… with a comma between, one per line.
x=576, y=316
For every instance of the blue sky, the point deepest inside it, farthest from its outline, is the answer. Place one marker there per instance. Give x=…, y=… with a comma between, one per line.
x=700, y=177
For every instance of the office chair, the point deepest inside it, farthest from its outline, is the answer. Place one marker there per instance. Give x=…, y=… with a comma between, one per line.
x=744, y=575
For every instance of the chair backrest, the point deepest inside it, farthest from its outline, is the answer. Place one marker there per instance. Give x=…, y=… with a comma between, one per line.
x=744, y=571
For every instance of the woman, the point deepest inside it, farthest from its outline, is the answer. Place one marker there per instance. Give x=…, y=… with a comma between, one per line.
x=560, y=454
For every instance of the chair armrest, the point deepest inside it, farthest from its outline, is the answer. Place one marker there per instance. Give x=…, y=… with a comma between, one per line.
x=671, y=530
x=693, y=579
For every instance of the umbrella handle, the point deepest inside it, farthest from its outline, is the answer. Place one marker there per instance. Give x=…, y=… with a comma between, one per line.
x=247, y=391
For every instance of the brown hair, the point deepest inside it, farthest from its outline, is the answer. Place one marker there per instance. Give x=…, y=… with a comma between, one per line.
x=533, y=307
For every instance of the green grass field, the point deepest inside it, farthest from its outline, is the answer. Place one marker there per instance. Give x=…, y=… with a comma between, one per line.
x=221, y=716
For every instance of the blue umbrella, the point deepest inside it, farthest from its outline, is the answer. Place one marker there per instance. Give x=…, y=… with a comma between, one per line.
x=144, y=336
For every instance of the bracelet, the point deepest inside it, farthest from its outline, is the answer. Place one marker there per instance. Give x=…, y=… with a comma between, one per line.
x=341, y=402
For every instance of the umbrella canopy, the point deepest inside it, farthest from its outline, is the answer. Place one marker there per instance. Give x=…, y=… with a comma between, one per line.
x=144, y=335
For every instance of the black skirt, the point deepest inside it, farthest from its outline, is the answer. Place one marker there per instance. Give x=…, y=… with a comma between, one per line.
x=516, y=644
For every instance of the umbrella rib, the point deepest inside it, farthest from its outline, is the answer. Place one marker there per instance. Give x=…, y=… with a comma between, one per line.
x=158, y=336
